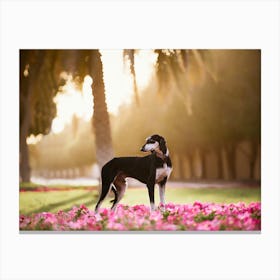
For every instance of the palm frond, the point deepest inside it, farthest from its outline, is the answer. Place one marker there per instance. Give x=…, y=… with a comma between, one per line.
x=128, y=57
x=201, y=59
x=170, y=65
x=162, y=69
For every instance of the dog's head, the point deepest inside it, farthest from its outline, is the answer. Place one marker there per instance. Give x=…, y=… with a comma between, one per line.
x=155, y=143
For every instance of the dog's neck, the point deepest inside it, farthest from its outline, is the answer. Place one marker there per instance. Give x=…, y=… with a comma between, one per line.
x=161, y=155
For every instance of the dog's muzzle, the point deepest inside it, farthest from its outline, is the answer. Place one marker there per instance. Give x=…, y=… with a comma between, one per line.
x=143, y=149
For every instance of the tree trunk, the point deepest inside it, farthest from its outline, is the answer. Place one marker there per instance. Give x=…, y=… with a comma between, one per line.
x=231, y=160
x=35, y=61
x=181, y=167
x=24, y=153
x=192, y=165
x=253, y=159
x=101, y=121
x=203, y=163
x=219, y=155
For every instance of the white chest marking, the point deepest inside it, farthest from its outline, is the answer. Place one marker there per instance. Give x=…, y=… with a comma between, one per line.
x=163, y=172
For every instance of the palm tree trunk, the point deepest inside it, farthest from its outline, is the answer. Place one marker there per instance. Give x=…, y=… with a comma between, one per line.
x=231, y=159
x=203, y=164
x=24, y=153
x=101, y=120
x=219, y=155
x=36, y=60
x=192, y=164
x=181, y=167
x=253, y=159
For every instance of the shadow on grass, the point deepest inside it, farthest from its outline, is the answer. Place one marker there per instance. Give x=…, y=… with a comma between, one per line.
x=51, y=206
x=88, y=203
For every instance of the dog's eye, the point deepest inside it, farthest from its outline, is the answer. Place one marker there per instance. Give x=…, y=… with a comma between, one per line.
x=150, y=141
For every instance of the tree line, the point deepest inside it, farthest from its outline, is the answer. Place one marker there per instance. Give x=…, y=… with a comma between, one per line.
x=222, y=112
x=206, y=100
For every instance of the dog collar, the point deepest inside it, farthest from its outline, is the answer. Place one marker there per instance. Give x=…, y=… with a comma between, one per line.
x=161, y=155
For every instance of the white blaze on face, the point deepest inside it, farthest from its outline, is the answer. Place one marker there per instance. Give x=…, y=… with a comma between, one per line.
x=151, y=146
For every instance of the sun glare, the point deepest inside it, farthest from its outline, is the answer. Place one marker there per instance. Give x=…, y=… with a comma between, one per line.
x=118, y=79
x=145, y=61
x=33, y=139
x=118, y=87
x=72, y=102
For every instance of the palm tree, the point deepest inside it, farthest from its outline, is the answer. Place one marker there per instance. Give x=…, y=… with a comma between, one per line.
x=39, y=82
x=101, y=121
x=187, y=68
x=38, y=86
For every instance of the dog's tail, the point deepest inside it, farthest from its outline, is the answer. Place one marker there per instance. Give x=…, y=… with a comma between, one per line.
x=107, y=176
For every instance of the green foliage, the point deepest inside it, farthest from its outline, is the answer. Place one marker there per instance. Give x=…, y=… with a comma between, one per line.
x=201, y=217
x=41, y=79
x=165, y=214
x=39, y=82
x=256, y=215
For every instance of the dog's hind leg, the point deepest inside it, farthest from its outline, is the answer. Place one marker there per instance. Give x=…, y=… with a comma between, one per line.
x=120, y=187
x=115, y=193
x=119, y=197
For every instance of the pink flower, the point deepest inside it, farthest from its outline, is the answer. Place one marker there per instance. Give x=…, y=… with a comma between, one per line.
x=196, y=216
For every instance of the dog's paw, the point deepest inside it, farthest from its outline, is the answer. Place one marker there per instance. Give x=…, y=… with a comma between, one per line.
x=161, y=207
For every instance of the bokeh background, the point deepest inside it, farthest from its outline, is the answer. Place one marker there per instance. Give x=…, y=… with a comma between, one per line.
x=80, y=108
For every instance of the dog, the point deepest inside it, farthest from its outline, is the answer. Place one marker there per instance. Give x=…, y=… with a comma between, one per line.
x=152, y=169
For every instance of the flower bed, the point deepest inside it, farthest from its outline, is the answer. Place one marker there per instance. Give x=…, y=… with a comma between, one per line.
x=175, y=217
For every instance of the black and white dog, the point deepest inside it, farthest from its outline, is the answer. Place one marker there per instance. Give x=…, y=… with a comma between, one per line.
x=151, y=169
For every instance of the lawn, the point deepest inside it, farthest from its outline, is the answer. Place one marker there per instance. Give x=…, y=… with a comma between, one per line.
x=53, y=201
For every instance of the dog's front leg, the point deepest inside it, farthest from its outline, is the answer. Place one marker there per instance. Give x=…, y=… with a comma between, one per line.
x=162, y=192
x=162, y=196
x=151, y=189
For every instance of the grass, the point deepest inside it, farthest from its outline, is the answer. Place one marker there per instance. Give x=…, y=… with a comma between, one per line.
x=35, y=202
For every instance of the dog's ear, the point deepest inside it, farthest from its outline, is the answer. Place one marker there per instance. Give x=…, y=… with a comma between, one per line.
x=162, y=145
